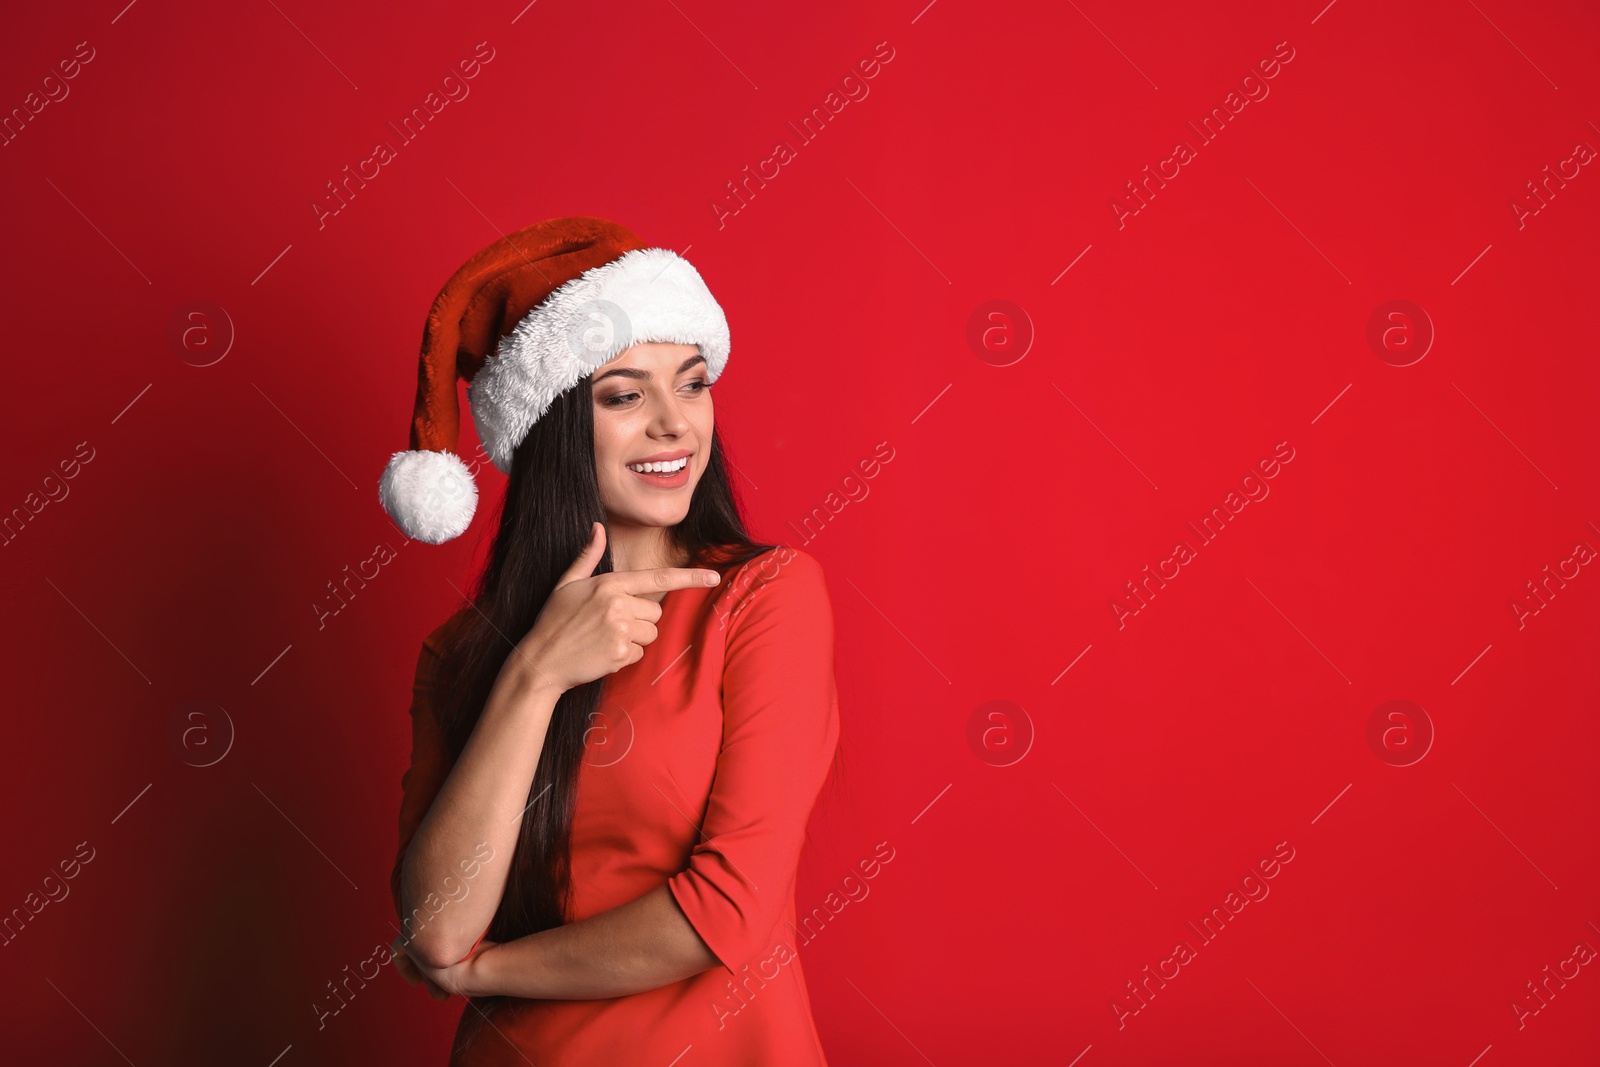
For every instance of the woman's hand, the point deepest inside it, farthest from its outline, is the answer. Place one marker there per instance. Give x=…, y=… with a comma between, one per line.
x=593, y=625
x=463, y=978
x=411, y=972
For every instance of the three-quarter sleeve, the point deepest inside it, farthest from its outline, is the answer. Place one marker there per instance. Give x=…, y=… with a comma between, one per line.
x=430, y=765
x=780, y=729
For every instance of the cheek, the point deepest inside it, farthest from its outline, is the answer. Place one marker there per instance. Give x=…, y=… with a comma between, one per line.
x=607, y=439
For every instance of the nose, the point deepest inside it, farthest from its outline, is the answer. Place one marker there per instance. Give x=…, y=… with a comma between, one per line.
x=667, y=418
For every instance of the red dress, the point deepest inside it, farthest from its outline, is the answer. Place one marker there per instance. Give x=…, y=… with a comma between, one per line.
x=701, y=770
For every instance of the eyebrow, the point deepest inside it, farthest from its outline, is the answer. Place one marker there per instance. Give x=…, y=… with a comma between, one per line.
x=634, y=372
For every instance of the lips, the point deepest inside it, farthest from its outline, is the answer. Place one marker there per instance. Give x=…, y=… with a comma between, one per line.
x=661, y=457
x=667, y=480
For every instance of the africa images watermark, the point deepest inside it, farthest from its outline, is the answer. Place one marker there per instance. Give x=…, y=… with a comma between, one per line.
x=738, y=997
x=54, y=90
x=854, y=489
x=854, y=89
x=1253, y=88
x=342, y=191
x=1538, y=596
x=855, y=890
x=351, y=983
x=350, y=584
x=1539, y=196
x=743, y=587
x=1539, y=996
x=1255, y=490
x=433, y=904
x=1255, y=889
x=55, y=489
x=55, y=891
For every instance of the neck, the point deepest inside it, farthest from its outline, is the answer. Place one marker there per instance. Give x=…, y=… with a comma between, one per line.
x=635, y=548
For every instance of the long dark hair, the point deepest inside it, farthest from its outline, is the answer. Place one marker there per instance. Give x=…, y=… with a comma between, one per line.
x=552, y=499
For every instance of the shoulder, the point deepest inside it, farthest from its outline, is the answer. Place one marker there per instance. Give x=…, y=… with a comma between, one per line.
x=783, y=578
x=782, y=563
x=439, y=639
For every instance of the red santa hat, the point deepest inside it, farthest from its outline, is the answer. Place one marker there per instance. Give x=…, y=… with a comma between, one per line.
x=522, y=321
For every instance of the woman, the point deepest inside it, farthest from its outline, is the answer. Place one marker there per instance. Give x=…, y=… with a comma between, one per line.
x=618, y=742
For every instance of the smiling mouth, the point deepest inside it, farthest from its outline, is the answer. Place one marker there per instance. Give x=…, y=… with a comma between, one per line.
x=664, y=468
x=667, y=474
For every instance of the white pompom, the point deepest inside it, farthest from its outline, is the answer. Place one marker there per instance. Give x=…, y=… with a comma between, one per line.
x=430, y=495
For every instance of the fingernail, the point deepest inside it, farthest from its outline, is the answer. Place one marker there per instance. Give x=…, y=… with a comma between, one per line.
x=712, y=577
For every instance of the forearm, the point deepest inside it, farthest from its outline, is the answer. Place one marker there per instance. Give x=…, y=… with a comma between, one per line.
x=476, y=814
x=643, y=944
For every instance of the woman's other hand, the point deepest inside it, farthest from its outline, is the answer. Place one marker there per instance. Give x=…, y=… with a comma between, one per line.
x=458, y=978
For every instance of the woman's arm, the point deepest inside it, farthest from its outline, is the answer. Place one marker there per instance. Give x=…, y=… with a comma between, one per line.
x=643, y=944
x=481, y=801
x=780, y=732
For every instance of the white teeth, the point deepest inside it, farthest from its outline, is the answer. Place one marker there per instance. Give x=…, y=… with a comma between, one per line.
x=660, y=468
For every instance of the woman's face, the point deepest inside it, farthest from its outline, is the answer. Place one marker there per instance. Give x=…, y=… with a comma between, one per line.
x=652, y=405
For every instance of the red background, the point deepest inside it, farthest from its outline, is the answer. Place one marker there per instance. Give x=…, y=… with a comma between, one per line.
x=1228, y=315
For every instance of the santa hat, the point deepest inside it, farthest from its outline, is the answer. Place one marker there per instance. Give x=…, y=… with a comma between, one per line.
x=522, y=321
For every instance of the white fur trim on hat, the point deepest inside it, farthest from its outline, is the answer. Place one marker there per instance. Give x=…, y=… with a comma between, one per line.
x=646, y=294
x=430, y=495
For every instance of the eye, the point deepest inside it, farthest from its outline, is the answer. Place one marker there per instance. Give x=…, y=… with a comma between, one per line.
x=699, y=385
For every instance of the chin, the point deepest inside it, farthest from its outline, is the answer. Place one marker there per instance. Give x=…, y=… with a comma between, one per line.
x=656, y=516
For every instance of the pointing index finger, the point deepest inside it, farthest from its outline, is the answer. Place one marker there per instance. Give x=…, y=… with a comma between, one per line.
x=661, y=579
